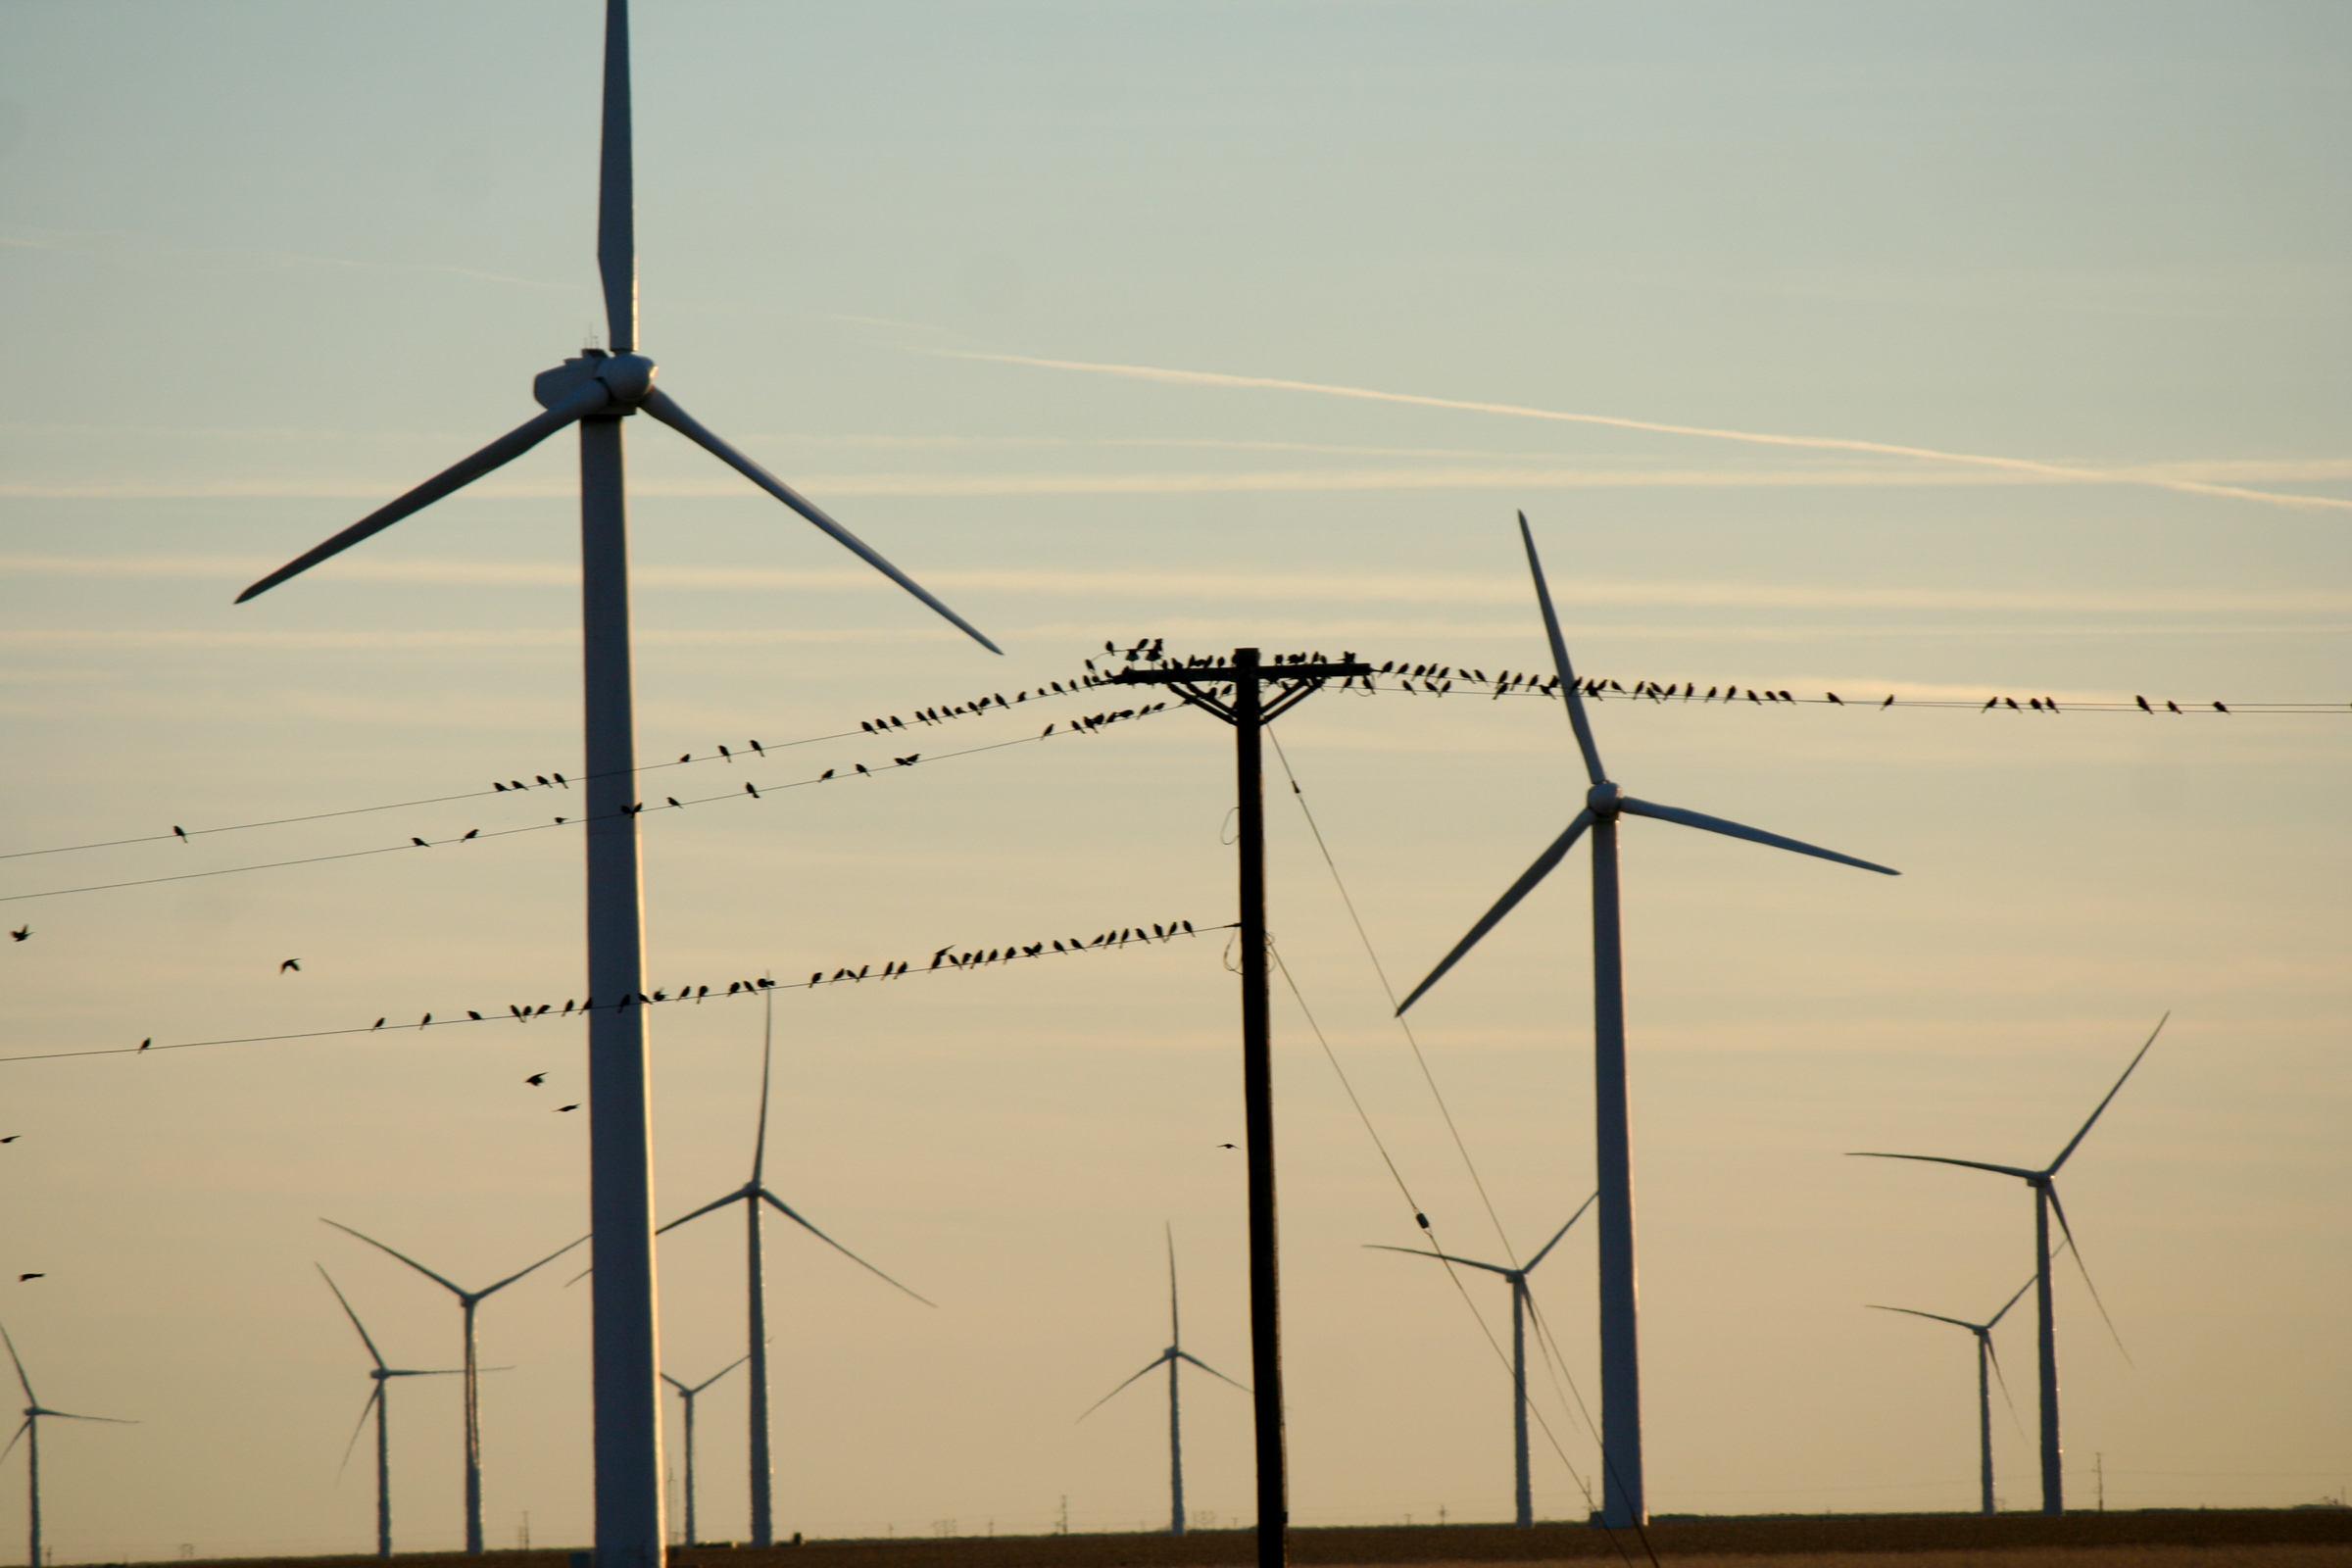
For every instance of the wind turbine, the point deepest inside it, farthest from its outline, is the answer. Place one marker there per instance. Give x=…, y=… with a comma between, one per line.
x=30, y=1432
x=376, y=1402
x=751, y=1195
x=1174, y=1354
x=1525, y=1491
x=596, y=391
x=1623, y=1502
x=688, y=1395
x=2046, y=1203
x=1988, y=1364
x=470, y=1302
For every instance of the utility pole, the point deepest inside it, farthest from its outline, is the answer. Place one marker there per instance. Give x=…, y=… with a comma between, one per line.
x=1236, y=692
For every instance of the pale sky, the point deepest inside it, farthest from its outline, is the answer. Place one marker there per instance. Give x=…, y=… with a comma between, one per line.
x=271, y=265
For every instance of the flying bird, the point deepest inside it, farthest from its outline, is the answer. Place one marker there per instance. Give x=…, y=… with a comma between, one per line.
x=294, y=964
x=11, y=1138
x=22, y=933
x=536, y=1079
x=561, y=1109
x=1226, y=1146
x=21, y=1278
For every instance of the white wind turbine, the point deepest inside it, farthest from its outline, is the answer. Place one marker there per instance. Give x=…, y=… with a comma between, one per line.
x=1523, y=1491
x=381, y=1375
x=2046, y=1203
x=470, y=1302
x=30, y=1432
x=752, y=1195
x=688, y=1394
x=1989, y=1365
x=1170, y=1356
x=1623, y=1500
x=597, y=391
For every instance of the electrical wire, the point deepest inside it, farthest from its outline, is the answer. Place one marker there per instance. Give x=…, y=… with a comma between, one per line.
x=943, y=962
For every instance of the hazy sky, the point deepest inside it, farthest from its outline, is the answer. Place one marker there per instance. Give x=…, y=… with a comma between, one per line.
x=271, y=265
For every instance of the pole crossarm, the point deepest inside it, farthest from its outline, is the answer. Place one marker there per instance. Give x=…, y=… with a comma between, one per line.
x=1200, y=684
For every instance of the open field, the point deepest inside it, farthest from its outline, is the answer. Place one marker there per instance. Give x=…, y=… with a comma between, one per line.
x=2154, y=1539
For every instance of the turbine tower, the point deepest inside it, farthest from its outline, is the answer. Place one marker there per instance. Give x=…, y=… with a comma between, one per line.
x=752, y=1195
x=1174, y=1354
x=1524, y=1491
x=470, y=1302
x=381, y=1375
x=1623, y=1500
x=596, y=391
x=1988, y=1364
x=30, y=1432
x=2046, y=1203
x=687, y=1395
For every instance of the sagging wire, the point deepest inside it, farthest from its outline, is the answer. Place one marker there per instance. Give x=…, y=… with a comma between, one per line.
x=946, y=961
x=1421, y=1217
x=751, y=791
x=930, y=715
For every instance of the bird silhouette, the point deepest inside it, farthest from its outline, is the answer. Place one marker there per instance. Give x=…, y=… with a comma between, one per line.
x=378, y=1024
x=2143, y=704
x=673, y=798
x=11, y=1138
x=21, y=1278
x=471, y=832
x=149, y=1041
x=181, y=832
x=419, y=843
x=1225, y=1146
x=536, y=1079
x=751, y=789
x=559, y=1109
x=294, y=964
x=22, y=933
x=826, y=774
x=861, y=766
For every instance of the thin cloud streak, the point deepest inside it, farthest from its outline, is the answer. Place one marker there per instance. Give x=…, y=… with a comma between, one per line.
x=2023, y=466
x=1261, y=586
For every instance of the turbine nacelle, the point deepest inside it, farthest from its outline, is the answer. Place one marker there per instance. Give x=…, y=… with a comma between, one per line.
x=627, y=377
x=1605, y=799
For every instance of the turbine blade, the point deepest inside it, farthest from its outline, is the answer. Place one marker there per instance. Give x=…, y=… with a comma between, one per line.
x=1734, y=830
x=2013, y=1300
x=767, y=1064
x=1994, y=1356
x=742, y=1195
x=403, y=1256
x=1415, y=1251
x=2111, y=1094
x=1915, y=1313
x=1175, y=1324
x=676, y=1383
x=662, y=406
x=1182, y=1355
x=1530, y=1266
x=12, y=1442
x=1551, y=857
x=496, y=454
x=720, y=1373
x=1938, y=1160
x=1560, y=659
x=365, y=1410
x=492, y=1290
x=617, y=200
x=2059, y=1210
x=785, y=1209
x=22, y=1380
x=1158, y=1361
x=110, y=1420
x=375, y=1353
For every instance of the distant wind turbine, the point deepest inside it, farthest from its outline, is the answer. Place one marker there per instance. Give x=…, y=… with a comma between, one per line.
x=381, y=1375
x=1988, y=1364
x=30, y=1432
x=751, y=1195
x=687, y=1395
x=1174, y=1354
x=470, y=1302
x=1623, y=1501
x=1524, y=1490
x=2046, y=1203
x=597, y=391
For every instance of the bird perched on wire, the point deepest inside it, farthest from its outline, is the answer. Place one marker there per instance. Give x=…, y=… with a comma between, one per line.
x=23, y=933
x=181, y=833
x=419, y=843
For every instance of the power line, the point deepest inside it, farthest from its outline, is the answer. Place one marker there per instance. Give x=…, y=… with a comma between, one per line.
x=947, y=959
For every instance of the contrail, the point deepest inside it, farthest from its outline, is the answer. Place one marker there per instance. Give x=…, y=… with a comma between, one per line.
x=1817, y=443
